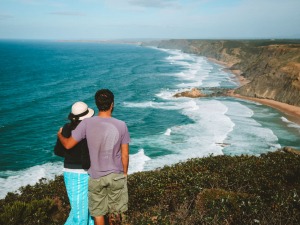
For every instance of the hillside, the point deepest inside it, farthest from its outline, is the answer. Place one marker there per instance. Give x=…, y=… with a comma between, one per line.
x=216, y=190
x=271, y=66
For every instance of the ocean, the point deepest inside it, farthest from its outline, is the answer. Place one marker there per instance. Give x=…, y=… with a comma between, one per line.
x=40, y=80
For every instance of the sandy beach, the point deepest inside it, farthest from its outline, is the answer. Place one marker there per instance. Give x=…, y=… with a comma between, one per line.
x=292, y=112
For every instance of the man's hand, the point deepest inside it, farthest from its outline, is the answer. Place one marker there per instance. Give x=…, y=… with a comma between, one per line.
x=68, y=143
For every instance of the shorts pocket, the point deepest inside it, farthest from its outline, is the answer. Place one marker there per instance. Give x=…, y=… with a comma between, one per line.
x=118, y=182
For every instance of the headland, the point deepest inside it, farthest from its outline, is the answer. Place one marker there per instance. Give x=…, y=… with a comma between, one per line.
x=268, y=70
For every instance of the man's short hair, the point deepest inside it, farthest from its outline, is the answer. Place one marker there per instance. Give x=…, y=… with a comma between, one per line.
x=104, y=98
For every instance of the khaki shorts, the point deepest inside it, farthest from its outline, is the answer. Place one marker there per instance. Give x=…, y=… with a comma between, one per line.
x=108, y=194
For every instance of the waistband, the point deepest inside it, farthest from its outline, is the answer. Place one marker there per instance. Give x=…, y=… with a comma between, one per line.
x=72, y=165
x=82, y=171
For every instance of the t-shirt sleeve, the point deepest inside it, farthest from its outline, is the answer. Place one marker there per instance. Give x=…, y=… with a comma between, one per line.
x=126, y=136
x=79, y=133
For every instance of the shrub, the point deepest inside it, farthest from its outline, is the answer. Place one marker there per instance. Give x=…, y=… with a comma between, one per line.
x=34, y=212
x=232, y=207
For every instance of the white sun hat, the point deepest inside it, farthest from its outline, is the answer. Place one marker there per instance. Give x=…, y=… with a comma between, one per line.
x=81, y=110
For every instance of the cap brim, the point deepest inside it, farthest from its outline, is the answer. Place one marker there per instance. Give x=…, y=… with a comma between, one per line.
x=90, y=114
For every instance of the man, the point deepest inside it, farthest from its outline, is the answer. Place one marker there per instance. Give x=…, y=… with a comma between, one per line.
x=108, y=142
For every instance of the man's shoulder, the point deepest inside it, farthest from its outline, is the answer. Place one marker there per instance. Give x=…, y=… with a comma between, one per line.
x=118, y=121
x=96, y=120
x=85, y=123
x=88, y=120
x=114, y=118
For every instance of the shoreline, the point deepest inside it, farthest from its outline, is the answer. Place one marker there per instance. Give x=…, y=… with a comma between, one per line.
x=238, y=73
x=292, y=112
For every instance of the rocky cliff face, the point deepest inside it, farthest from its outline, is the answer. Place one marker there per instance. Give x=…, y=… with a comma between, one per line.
x=272, y=67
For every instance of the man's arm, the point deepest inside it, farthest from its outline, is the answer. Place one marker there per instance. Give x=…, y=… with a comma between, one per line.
x=68, y=143
x=125, y=157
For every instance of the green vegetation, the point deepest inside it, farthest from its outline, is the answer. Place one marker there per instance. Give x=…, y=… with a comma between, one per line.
x=213, y=190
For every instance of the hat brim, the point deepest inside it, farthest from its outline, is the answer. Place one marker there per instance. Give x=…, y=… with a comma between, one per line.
x=90, y=114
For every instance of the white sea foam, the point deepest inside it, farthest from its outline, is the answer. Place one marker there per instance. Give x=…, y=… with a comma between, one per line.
x=30, y=176
x=177, y=56
x=197, y=71
x=195, y=68
x=248, y=136
x=201, y=138
x=168, y=132
x=291, y=124
x=141, y=104
x=211, y=125
x=137, y=161
x=171, y=105
x=191, y=84
x=167, y=94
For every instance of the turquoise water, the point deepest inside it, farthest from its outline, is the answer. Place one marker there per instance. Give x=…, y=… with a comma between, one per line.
x=41, y=80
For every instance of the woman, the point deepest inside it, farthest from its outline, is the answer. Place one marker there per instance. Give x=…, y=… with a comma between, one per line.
x=76, y=163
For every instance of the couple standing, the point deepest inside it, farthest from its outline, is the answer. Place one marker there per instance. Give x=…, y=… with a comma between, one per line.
x=101, y=145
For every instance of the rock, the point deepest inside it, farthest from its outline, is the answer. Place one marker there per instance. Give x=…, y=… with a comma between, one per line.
x=194, y=93
x=291, y=150
x=223, y=144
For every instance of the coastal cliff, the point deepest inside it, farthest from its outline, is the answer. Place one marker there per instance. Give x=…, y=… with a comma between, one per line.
x=272, y=67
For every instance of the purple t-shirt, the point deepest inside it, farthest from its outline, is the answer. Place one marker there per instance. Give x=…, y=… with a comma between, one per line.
x=104, y=137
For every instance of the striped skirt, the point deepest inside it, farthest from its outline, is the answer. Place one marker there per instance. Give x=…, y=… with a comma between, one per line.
x=77, y=189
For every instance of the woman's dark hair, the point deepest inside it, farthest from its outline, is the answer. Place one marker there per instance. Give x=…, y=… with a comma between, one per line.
x=74, y=121
x=104, y=98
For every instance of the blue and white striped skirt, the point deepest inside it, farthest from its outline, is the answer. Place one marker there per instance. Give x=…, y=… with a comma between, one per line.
x=77, y=189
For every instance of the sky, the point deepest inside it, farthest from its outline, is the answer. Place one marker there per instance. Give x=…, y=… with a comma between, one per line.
x=139, y=19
